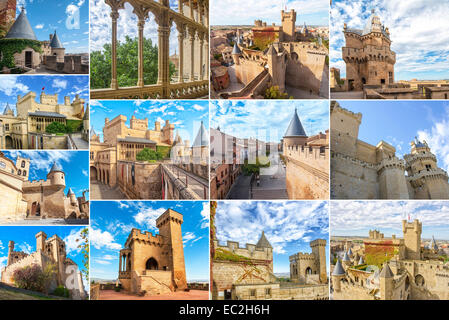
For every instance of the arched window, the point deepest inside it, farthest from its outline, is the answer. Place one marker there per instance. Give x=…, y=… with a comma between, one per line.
x=151, y=264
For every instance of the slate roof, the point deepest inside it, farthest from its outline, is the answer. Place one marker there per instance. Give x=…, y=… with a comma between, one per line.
x=46, y=114
x=236, y=49
x=338, y=269
x=386, y=272
x=263, y=242
x=55, y=43
x=136, y=140
x=202, y=138
x=55, y=167
x=295, y=128
x=7, y=109
x=21, y=29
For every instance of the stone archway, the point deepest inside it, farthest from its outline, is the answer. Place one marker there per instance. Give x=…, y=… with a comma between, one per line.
x=8, y=142
x=151, y=264
x=308, y=270
x=72, y=215
x=419, y=280
x=35, y=209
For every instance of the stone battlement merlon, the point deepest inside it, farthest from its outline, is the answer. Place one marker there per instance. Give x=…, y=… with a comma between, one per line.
x=119, y=118
x=302, y=256
x=137, y=234
x=169, y=215
x=234, y=245
x=336, y=107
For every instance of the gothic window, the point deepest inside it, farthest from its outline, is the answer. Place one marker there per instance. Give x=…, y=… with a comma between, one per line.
x=19, y=172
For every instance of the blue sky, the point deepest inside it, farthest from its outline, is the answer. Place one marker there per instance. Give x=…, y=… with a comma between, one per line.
x=186, y=115
x=25, y=240
x=417, y=30
x=75, y=164
x=11, y=86
x=288, y=225
x=70, y=19
x=267, y=120
x=112, y=221
x=236, y=12
x=356, y=218
x=398, y=122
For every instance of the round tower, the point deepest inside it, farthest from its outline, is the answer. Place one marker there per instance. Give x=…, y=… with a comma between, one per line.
x=56, y=176
x=71, y=195
x=236, y=54
x=337, y=274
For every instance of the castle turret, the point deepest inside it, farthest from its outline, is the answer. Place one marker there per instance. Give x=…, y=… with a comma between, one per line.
x=264, y=244
x=169, y=225
x=346, y=260
x=56, y=176
x=427, y=179
x=23, y=167
x=386, y=283
x=10, y=252
x=392, y=182
x=8, y=111
x=236, y=54
x=412, y=239
x=319, y=250
x=337, y=274
x=72, y=196
x=295, y=134
x=41, y=237
x=56, y=48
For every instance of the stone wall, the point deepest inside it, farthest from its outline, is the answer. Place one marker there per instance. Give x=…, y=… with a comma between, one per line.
x=147, y=179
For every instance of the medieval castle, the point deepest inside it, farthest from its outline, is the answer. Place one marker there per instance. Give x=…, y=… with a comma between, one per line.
x=49, y=54
x=363, y=171
x=391, y=269
x=154, y=264
x=49, y=252
x=44, y=199
x=247, y=273
x=27, y=128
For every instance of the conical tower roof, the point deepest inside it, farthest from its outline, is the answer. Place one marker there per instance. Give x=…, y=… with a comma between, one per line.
x=361, y=261
x=55, y=167
x=386, y=272
x=21, y=29
x=202, y=137
x=55, y=43
x=92, y=132
x=236, y=49
x=263, y=242
x=338, y=269
x=350, y=252
x=70, y=191
x=7, y=109
x=295, y=128
x=434, y=245
x=346, y=257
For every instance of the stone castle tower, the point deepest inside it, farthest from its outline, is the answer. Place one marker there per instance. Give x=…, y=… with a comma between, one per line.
x=412, y=239
x=7, y=13
x=367, y=54
x=310, y=267
x=169, y=225
x=319, y=251
x=427, y=180
x=288, y=25
x=23, y=167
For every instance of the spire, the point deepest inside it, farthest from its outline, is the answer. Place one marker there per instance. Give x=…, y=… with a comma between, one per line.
x=55, y=167
x=361, y=261
x=70, y=191
x=236, y=49
x=386, y=272
x=55, y=43
x=7, y=109
x=350, y=252
x=92, y=132
x=434, y=245
x=263, y=242
x=21, y=29
x=271, y=51
x=338, y=269
x=346, y=257
x=202, y=138
x=295, y=128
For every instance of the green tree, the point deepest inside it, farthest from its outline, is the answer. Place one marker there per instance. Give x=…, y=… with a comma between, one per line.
x=127, y=64
x=150, y=155
x=84, y=246
x=57, y=127
x=274, y=93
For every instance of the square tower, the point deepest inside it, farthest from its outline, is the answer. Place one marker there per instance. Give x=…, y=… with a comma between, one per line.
x=288, y=25
x=23, y=167
x=319, y=251
x=169, y=225
x=412, y=239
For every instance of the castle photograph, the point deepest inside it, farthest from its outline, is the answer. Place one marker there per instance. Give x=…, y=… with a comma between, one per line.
x=386, y=52
x=37, y=187
x=44, y=112
x=287, y=57
x=385, y=250
x=44, y=38
x=149, y=49
x=258, y=152
x=256, y=255
x=44, y=263
x=150, y=250
x=389, y=150
x=149, y=150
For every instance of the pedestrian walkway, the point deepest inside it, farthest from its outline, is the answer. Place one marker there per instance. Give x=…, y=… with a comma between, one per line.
x=102, y=191
x=80, y=143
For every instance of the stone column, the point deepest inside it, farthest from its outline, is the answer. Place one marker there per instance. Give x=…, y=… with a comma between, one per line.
x=121, y=258
x=200, y=12
x=140, y=24
x=181, y=53
x=163, y=55
x=191, y=10
x=192, y=52
x=201, y=38
x=114, y=16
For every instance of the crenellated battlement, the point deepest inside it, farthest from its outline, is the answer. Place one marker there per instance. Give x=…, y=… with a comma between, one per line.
x=300, y=256
x=146, y=236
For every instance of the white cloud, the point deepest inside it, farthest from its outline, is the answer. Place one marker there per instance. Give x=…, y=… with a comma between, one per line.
x=25, y=247
x=43, y=160
x=10, y=85
x=147, y=217
x=39, y=26
x=103, y=239
x=85, y=173
x=205, y=214
x=3, y=261
x=59, y=84
x=1, y=245
x=72, y=241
